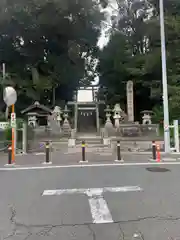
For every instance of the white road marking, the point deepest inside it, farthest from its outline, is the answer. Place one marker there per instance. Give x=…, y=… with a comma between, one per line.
x=92, y=191
x=124, y=189
x=38, y=154
x=98, y=205
x=99, y=210
x=63, y=191
x=89, y=165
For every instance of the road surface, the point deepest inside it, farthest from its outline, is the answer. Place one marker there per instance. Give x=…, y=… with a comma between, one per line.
x=91, y=203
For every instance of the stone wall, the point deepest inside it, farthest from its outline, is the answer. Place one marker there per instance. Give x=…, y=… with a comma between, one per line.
x=133, y=130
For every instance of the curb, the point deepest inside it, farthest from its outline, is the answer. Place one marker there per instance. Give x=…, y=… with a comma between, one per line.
x=169, y=159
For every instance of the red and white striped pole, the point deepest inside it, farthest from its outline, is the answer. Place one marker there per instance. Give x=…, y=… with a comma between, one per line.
x=158, y=153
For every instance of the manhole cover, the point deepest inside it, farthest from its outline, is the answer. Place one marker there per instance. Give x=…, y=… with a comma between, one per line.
x=157, y=169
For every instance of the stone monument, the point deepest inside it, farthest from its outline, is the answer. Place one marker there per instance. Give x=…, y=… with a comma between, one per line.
x=130, y=101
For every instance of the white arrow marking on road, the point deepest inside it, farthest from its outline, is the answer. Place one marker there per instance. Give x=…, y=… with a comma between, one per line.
x=99, y=208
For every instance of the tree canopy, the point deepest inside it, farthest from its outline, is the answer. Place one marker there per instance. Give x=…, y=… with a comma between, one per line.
x=45, y=44
x=52, y=44
x=134, y=53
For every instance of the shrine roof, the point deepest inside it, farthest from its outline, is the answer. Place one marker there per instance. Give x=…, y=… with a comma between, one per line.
x=147, y=111
x=36, y=106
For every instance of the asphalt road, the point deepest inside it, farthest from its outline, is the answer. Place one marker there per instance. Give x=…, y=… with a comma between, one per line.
x=150, y=213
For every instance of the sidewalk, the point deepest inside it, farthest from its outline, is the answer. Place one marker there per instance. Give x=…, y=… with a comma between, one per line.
x=74, y=157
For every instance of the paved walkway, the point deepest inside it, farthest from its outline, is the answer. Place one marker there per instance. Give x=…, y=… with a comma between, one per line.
x=74, y=156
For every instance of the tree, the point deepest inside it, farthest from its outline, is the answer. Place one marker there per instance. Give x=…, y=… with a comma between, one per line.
x=126, y=49
x=137, y=22
x=43, y=42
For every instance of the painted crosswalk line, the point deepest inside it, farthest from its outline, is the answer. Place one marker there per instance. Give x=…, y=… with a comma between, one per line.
x=98, y=205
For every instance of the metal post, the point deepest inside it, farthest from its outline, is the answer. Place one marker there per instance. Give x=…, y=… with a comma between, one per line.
x=164, y=80
x=24, y=138
x=9, y=155
x=119, y=159
x=83, y=152
x=176, y=135
x=4, y=78
x=47, y=146
x=118, y=151
x=13, y=139
x=154, y=150
x=47, y=152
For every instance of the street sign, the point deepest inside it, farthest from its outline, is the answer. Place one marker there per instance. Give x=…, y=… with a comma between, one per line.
x=13, y=120
x=9, y=96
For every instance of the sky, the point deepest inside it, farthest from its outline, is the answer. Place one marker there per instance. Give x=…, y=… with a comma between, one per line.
x=103, y=40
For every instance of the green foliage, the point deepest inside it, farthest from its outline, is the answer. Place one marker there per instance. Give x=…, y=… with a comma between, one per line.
x=42, y=43
x=134, y=53
x=8, y=134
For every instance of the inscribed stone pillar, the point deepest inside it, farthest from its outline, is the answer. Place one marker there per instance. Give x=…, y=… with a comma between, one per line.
x=130, y=101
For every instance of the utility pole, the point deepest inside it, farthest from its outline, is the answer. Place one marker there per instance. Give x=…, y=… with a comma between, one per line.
x=164, y=80
x=4, y=78
x=53, y=96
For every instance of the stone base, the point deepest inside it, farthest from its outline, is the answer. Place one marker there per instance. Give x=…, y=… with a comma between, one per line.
x=10, y=165
x=47, y=163
x=130, y=130
x=119, y=161
x=71, y=142
x=106, y=141
x=83, y=161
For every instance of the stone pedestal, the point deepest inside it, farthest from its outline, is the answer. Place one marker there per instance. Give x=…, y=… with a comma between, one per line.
x=130, y=130
x=106, y=141
x=71, y=142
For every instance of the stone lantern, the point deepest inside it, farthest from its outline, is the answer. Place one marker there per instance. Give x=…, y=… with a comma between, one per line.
x=108, y=112
x=66, y=126
x=147, y=117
